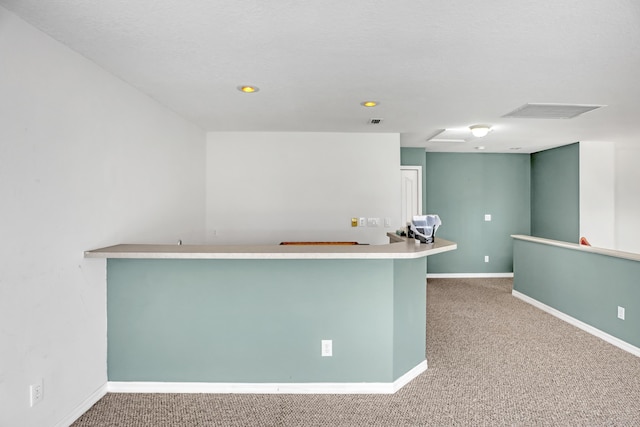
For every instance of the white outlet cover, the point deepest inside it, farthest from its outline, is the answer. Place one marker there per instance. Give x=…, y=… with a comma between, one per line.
x=327, y=348
x=487, y=217
x=36, y=393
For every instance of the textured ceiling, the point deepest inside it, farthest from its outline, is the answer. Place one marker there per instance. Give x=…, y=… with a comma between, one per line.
x=431, y=64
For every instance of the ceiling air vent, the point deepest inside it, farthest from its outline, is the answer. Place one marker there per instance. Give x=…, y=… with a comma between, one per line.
x=449, y=135
x=550, y=111
x=375, y=121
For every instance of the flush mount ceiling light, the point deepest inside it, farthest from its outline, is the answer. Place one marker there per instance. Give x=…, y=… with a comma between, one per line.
x=481, y=147
x=248, y=89
x=480, y=130
x=369, y=103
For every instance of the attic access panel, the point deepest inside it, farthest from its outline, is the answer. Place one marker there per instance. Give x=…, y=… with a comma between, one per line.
x=550, y=111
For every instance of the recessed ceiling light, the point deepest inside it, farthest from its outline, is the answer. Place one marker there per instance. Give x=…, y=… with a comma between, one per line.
x=248, y=89
x=515, y=148
x=369, y=103
x=480, y=147
x=480, y=130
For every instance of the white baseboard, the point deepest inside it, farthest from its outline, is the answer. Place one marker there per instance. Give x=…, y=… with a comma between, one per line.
x=83, y=407
x=579, y=324
x=267, y=388
x=466, y=275
x=406, y=378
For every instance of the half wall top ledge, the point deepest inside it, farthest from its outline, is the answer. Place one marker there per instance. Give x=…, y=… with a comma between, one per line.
x=399, y=248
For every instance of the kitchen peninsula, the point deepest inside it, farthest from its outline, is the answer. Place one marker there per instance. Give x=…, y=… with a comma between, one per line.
x=257, y=318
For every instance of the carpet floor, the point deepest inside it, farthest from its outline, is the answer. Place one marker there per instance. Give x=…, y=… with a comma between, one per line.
x=493, y=361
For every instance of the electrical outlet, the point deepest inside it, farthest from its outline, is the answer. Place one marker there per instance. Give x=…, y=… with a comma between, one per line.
x=621, y=313
x=486, y=258
x=327, y=348
x=487, y=217
x=36, y=393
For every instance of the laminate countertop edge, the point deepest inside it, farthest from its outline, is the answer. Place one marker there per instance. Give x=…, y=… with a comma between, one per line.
x=578, y=247
x=399, y=248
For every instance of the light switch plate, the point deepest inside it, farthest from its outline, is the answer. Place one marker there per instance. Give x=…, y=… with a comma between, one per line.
x=487, y=217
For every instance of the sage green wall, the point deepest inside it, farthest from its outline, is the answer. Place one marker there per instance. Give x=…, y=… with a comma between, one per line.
x=555, y=193
x=462, y=188
x=262, y=321
x=586, y=286
x=411, y=156
x=409, y=315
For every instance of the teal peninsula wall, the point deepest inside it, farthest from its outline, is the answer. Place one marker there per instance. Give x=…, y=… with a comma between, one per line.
x=262, y=321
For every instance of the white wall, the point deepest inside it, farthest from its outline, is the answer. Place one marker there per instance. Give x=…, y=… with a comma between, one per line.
x=85, y=161
x=597, y=193
x=273, y=187
x=609, y=195
x=627, y=193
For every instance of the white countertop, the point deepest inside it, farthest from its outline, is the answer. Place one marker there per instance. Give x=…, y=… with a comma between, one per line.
x=578, y=247
x=399, y=248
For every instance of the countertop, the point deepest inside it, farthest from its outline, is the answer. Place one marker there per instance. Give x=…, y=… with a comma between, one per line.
x=578, y=247
x=398, y=248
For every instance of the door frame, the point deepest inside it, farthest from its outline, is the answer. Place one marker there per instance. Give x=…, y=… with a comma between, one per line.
x=419, y=188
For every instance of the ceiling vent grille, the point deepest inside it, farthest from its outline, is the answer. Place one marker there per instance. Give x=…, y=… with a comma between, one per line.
x=375, y=121
x=551, y=111
x=449, y=135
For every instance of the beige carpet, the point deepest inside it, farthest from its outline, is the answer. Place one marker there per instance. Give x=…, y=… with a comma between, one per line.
x=493, y=361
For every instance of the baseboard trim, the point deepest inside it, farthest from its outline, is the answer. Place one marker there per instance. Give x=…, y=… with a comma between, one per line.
x=267, y=388
x=579, y=324
x=409, y=376
x=83, y=407
x=466, y=275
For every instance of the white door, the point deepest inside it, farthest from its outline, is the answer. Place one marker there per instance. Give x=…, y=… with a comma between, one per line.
x=411, y=193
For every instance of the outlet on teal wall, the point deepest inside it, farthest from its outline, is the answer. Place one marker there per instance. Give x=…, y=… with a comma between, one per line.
x=462, y=188
x=555, y=193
